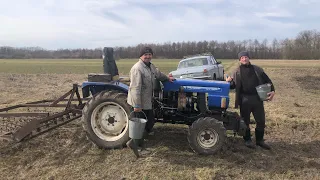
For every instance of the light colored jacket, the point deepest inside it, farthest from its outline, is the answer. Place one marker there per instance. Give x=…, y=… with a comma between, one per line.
x=141, y=84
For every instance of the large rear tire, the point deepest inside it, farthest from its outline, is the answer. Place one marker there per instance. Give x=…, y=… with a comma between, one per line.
x=206, y=136
x=105, y=119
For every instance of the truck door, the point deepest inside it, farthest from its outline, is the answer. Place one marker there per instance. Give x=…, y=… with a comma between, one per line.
x=219, y=69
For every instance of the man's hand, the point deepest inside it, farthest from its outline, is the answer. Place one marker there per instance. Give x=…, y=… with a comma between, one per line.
x=270, y=95
x=171, y=79
x=229, y=79
x=137, y=109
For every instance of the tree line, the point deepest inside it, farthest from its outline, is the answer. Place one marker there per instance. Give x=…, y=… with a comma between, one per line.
x=306, y=45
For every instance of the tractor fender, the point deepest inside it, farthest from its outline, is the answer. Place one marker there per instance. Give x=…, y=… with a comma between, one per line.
x=96, y=87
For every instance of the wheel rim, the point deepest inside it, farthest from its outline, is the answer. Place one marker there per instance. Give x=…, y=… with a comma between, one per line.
x=109, y=121
x=207, y=138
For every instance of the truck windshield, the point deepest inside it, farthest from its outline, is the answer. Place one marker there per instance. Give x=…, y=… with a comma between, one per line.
x=193, y=62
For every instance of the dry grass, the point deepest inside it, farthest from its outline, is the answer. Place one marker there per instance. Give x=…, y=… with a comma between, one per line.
x=287, y=64
x=65, y=153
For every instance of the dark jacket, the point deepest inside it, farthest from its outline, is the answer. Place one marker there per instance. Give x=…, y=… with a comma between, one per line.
x=236, y=82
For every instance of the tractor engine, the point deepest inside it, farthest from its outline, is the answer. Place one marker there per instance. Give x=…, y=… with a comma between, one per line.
x=185, y=100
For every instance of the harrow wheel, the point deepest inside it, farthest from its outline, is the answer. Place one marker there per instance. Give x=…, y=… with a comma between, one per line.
x=206, y=136
x=105, y=119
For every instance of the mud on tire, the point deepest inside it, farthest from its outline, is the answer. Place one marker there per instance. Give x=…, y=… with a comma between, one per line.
x=105, y=119
x=206, y=136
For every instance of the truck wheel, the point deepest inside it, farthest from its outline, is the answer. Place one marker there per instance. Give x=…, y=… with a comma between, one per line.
x=105, y=119
x=222, y=76
x=206, y=135
x=214, y=77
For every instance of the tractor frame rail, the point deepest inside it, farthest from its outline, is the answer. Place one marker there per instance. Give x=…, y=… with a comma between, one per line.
x=17, y=125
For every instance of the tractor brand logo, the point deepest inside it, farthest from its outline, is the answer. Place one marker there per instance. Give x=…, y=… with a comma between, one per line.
x=201, y=88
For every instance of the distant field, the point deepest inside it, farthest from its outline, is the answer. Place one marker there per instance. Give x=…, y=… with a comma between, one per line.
x=78, y=66
x=287, y=63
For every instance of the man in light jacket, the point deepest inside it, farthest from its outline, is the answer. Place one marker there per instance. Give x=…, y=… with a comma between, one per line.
x=140, y=93
x=245, y=79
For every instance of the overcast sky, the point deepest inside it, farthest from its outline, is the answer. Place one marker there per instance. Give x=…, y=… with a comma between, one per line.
x=54, y=24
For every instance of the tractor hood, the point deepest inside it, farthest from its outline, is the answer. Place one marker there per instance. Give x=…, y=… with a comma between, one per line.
x=195, y=85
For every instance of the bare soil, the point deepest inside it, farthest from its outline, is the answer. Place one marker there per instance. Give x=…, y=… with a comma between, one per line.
x=293, y=123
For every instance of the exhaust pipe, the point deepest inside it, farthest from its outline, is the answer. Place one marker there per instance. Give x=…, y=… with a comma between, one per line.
x=109, y=64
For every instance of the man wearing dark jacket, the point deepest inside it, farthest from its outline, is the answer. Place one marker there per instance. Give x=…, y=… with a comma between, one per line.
x=245, y=79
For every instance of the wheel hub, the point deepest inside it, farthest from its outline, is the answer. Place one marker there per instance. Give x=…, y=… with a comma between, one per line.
x=207, y=138
x=109, y=121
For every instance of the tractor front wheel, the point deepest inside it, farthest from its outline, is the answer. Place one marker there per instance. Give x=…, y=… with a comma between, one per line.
x=105, y=119
x=206, y=135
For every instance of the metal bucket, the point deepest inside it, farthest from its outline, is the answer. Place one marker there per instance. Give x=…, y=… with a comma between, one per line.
x=263, y=91
x=137, y=126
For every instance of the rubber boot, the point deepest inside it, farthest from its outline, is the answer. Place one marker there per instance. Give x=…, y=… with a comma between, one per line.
x=143, y=148
x=142, y=144
x=151, y=133
x=247, y=140
x=133, y=145
x=260, y=141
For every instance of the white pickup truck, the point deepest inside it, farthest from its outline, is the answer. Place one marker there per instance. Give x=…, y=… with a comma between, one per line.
x=199, y=67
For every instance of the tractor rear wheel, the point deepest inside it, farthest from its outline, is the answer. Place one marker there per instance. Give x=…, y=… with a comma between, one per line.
x=206, y=135
x=105, y=119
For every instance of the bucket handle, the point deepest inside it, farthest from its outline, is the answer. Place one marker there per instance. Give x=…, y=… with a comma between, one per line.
x=137, y=117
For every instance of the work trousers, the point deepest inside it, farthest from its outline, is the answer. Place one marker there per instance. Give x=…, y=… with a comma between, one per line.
x=150, y=118
x=252, y=104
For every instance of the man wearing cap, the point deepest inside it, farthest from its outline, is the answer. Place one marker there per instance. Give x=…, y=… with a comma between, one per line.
x=140, y=93
x=245, y=79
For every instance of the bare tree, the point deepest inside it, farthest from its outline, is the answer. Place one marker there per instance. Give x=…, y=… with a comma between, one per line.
x=305, y=46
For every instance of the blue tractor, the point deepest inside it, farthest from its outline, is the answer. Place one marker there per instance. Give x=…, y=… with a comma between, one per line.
x=200, y=104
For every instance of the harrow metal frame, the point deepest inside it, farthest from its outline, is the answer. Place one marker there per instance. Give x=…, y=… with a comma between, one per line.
x=42, y=121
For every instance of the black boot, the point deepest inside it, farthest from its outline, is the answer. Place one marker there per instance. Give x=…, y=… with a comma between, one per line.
x=132, y=144
x=247, y=139
x=143, y=150
x=141, y=142
x=260, y=141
